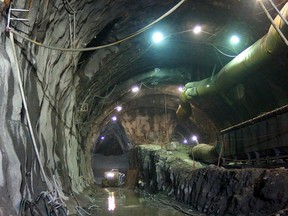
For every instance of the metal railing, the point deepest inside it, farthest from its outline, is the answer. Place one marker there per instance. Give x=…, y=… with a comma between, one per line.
x=272, y=20
x=10, y=18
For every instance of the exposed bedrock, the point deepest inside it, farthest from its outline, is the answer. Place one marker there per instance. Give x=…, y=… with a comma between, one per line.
x=211, y=189
x=20, y=174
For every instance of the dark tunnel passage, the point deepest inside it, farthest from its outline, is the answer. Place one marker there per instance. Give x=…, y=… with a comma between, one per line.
x=112, y=140
x=111, y=150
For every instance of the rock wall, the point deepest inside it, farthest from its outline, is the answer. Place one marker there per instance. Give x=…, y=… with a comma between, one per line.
x=19, y=169
x=49, y=89
x=50, y=80
x=149, y=127
x=211, y=189
x=12, y=147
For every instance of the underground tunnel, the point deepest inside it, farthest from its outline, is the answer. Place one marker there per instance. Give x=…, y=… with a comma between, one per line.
x=176, y=107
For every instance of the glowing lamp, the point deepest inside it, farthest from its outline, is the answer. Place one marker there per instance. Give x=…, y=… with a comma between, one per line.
x=197, y=29
x=118, y=108
x=180, y=88
x=195, y=139
x=157, y=37
x=234, y=39
x=135, y=89
x=110, y=175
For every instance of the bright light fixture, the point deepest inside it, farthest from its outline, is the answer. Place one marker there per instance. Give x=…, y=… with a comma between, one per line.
x=135, y=89
x=110, y=175
x=194, y=138
x=180, y=88
x=234, y=39
x=197, y=29
x=185, y=141
x=114, y=118
x=102, y=137
x=118, y=108
x=157, y=37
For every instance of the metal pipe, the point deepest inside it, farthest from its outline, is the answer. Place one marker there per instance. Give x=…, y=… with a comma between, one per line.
x=19, y=19
x=278, y=12
x=264, y=50
x=214, y=69
x=19, y=10
x=273, y=23
x=8, y=18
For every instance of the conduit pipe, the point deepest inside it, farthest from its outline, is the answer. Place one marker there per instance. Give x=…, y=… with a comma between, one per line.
x=264, y=50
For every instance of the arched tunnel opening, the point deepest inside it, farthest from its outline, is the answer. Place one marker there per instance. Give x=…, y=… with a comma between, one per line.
x=104, y=103
x=113, y=140
x=111, y=151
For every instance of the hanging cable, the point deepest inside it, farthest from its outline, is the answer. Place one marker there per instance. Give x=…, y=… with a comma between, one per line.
x=27, y=111
x=102, y=46
x=79, y=209
x=225, y=54
x=68, y=7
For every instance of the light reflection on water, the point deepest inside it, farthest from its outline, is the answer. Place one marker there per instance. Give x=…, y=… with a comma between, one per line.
x=111, y=201
x=124, y=202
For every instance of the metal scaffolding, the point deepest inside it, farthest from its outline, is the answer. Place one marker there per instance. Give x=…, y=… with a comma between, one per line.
x=10, y=18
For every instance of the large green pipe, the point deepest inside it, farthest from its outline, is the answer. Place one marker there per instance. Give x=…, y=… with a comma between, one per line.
x=264, y=50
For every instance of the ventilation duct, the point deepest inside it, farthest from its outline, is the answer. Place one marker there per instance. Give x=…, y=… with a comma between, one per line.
x=269, y=47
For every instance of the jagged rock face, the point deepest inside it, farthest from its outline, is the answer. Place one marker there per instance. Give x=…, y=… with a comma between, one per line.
x=10, y=162
x=50, y=80
x=212, y=190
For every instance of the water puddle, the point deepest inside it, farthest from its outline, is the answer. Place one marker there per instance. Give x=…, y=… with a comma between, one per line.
x=120, y=201
x=123, y=202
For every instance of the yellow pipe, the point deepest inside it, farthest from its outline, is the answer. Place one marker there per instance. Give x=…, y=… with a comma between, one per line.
x=264, y=50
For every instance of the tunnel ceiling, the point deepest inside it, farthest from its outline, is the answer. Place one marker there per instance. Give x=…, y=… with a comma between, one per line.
x=105, y=76
x=190, y=57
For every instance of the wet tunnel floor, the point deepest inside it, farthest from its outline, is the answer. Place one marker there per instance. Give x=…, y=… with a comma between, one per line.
x=123, y=202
